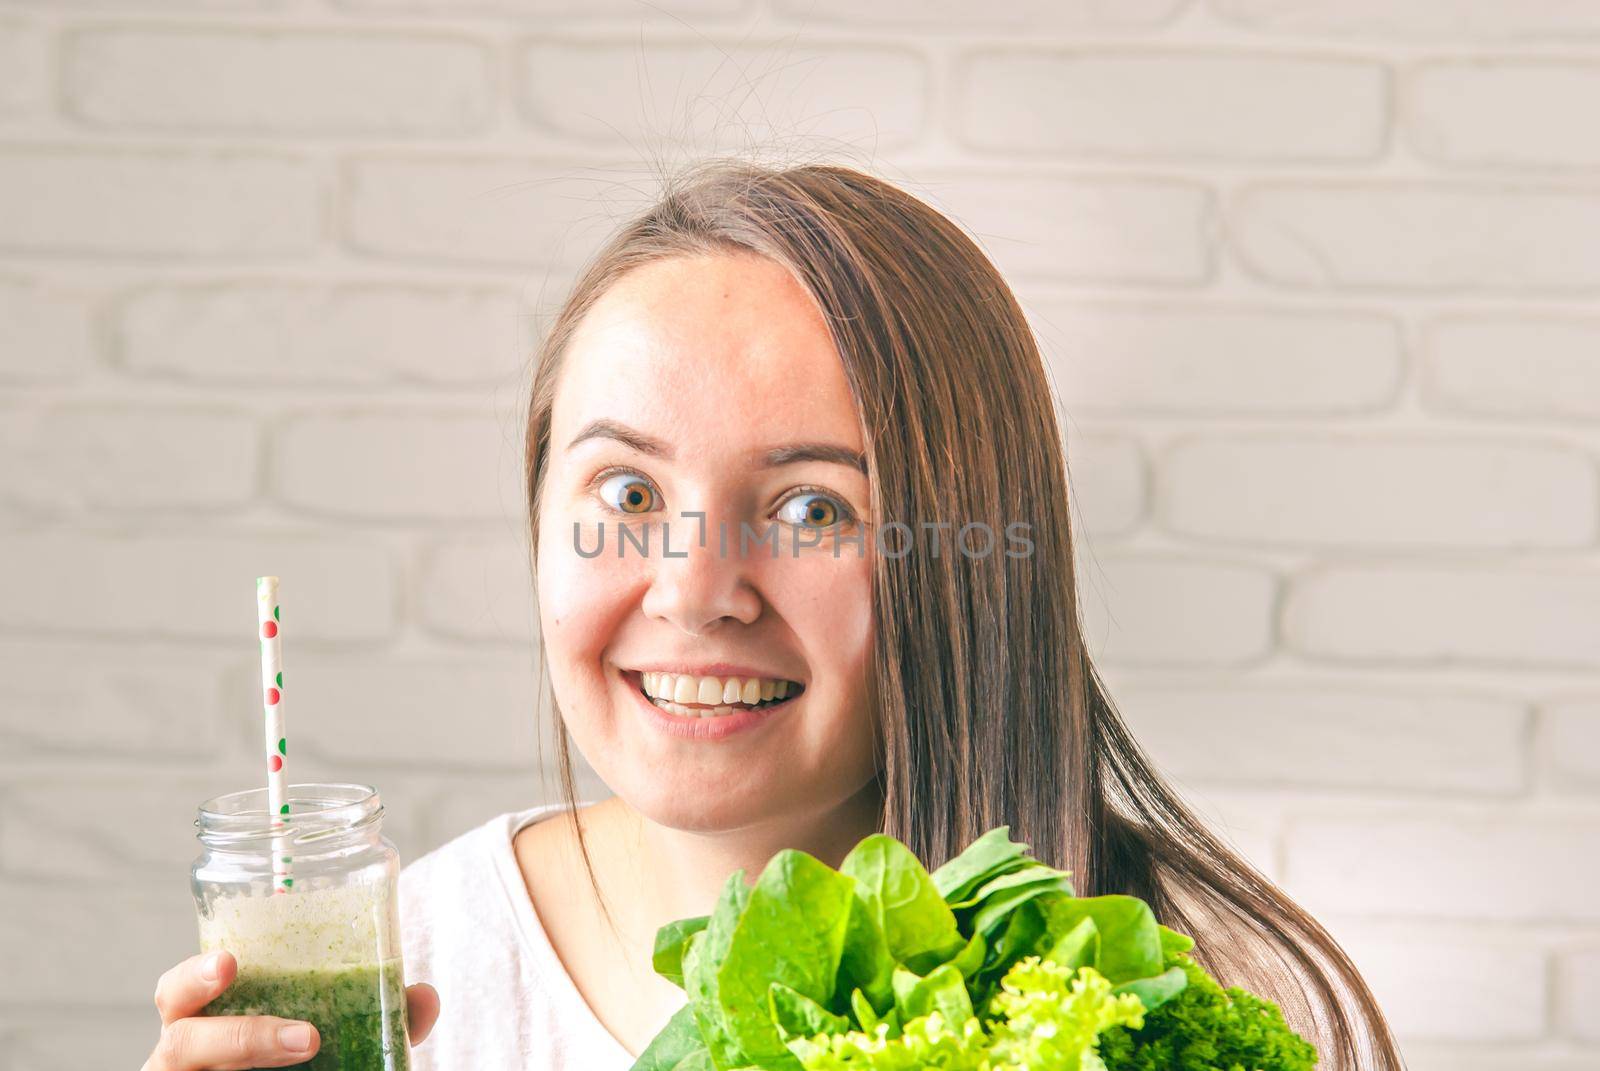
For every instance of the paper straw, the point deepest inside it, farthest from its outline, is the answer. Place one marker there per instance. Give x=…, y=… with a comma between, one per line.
x=270, y=633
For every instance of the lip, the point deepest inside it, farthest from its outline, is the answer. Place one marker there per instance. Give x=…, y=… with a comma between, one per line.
x=709, y=669
x=717, y=728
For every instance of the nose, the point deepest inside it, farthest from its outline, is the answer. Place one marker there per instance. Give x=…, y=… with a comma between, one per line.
x=703, y=584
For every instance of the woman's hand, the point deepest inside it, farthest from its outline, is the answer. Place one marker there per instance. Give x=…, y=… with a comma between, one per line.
x=192, y=1042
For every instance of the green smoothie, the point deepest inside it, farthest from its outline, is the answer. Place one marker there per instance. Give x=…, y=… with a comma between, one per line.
x=330, y=956
x=358, y=1011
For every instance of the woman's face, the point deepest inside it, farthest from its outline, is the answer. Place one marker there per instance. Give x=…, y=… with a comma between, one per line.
x=709, y=385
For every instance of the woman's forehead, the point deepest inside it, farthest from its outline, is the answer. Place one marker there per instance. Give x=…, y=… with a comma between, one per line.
x=723, y=349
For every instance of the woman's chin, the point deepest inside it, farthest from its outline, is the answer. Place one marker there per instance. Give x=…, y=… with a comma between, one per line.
x=679, y=808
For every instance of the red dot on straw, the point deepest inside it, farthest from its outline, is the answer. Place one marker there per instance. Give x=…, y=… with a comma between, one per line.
x=273, y=695
x=274, y=764
x=269, y=629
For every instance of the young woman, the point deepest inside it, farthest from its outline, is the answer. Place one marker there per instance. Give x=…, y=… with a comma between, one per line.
x=816, y=358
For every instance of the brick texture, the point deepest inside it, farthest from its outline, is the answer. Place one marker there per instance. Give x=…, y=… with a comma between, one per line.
x=1490, y=112
x=1448, y=983
x=1101, y=230
x=1018, y=15
x=427, y=465
x=1420, y=237
x=1378, y=491
x=1424, y=20
x=278, y=82
x=120, y=457
x=479, y=591
x=1315, y=736
x=1182, y=612
x=172, y=586
x=107, y=701
x=494, y=212
x=254, y=330
x=1406, y=613
x=722, y=96
x=1555, y=374
x=533, y=9
x=22, y=70
x=1578, y=983
x=151, y=202
x=1569, y=743
x=1155, y=103
x=1107, y=478
x=1216, y=362
x=49, y=334
x=1449, y=865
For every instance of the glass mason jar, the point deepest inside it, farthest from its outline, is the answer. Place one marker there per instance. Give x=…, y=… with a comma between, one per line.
x=326, y=950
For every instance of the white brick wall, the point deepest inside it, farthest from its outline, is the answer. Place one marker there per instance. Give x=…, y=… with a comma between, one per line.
x=724, y=95
x=139, y=202
x=248, y=331
x=278, y=82
x=1318, y=283
x=1171, y=103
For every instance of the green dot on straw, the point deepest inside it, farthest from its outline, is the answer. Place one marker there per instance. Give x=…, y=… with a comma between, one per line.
x=275, y=613
x=280, y=680
x=283, y=746
x=284, y=809
x=288, y=882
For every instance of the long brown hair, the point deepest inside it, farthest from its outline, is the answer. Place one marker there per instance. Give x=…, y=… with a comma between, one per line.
x=991, y=712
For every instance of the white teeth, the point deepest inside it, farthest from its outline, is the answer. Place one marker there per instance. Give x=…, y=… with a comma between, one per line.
x=711, y=696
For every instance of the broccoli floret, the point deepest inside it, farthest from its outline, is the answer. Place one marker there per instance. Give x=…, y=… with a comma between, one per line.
x=1207, y=1028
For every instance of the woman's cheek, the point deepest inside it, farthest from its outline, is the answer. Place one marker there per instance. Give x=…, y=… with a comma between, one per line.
x=828, y=601
x=581, y=599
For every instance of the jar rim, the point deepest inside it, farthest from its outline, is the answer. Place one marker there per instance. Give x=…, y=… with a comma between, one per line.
x=317, y=811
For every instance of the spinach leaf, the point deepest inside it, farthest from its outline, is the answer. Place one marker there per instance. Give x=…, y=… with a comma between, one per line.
x=1130, y=938
x=702, y=961
x=671, y=940
x=991, y=854
x=797, y=1015
x=677, y=1048
x=905, y=903
x=792, y=930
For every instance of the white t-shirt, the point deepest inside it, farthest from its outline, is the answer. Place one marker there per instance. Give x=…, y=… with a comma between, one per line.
x=468, y=927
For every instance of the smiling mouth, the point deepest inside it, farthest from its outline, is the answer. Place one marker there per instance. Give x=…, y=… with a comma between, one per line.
x=714, y=697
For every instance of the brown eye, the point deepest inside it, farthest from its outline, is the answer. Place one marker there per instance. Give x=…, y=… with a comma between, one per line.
x=811, y=511
x=627, y=492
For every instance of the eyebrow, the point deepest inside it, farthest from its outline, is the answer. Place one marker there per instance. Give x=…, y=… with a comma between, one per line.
x=633, y=440
x=795, y=453
x=791, y=454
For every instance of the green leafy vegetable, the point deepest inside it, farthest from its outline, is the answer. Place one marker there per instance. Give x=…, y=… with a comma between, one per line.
x=990, y=963
x=1207, y=1028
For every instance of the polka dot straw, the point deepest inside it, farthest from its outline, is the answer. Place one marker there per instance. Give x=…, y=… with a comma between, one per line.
x=277, y=744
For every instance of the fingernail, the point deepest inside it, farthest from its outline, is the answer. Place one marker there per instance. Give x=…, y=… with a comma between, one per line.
x=208, y=967
x=295, y=1037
